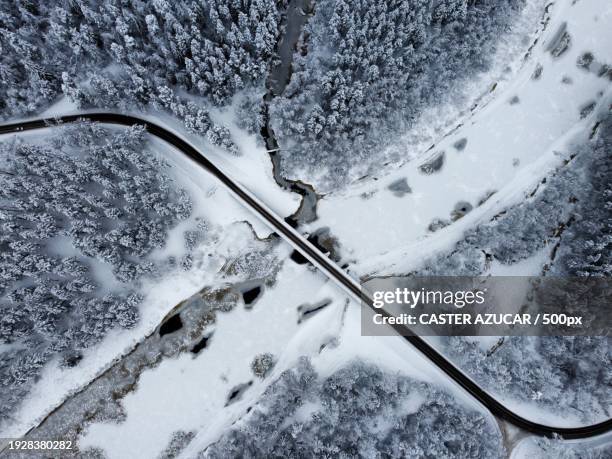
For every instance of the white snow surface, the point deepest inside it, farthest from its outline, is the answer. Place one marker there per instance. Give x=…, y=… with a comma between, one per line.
x=530, y=266
x=227, y=237
x=252, y=169
x=190, y=393
x=510, y=147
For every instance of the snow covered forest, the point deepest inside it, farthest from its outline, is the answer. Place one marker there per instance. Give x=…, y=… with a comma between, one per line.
x=149, y=309
x=301, y=415
x=382, y=61
x=129, y=55
x=80, y=215
x=373, y=68
x=569, y=373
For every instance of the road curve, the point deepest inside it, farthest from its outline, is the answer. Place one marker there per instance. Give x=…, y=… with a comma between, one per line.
x=318, y=259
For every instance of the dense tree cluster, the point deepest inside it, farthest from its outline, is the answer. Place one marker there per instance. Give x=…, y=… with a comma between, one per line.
x=263, y=364
x=370, y=68
x=567, y=375
x=78, y=219
x=586, y=244
x=573, y=208
x=131, y=54
x=557, y=448
x=358, y=411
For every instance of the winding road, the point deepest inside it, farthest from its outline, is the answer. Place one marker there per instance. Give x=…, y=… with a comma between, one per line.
x=318, y=259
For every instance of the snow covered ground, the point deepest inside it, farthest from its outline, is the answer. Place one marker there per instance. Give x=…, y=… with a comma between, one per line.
x=189, y=394
x=229, y=235
x=505, y=147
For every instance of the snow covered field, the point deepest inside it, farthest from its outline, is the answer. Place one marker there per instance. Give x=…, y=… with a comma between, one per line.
x=331, y=338
x=192, y=393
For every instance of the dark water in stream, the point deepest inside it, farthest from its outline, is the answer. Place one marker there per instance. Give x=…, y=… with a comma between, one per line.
x=298, y=13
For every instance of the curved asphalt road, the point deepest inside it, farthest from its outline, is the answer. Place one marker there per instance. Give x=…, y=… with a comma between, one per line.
x=334, y=272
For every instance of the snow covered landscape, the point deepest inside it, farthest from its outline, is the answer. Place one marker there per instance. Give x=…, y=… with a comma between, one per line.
x=192, y=193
